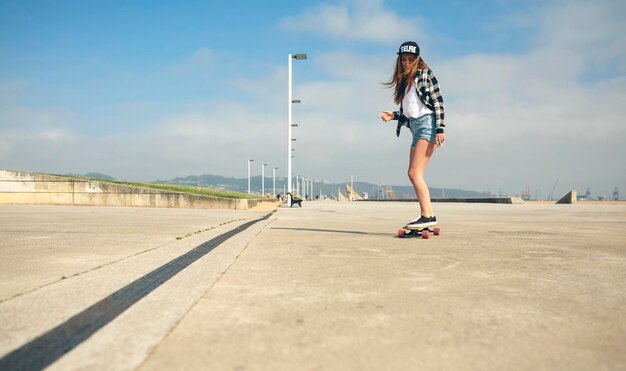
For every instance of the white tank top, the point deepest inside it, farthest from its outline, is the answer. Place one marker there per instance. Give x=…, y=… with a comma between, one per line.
x=412, y=106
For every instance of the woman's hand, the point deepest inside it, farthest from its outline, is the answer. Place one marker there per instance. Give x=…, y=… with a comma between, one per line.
x=440, y=138
x=386, y=116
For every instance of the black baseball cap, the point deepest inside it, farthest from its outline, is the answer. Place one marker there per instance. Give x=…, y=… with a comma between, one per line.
x=409, y=47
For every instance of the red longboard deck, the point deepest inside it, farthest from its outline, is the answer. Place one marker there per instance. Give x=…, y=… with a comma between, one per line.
x=424, y=233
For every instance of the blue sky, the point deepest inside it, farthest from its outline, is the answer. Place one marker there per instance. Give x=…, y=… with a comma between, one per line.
x=148, y=90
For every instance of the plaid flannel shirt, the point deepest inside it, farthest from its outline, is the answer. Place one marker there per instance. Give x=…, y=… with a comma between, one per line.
x=428, y=91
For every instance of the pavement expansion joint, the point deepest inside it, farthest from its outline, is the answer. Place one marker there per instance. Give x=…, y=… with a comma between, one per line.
x=209, y=229
x=210, y=287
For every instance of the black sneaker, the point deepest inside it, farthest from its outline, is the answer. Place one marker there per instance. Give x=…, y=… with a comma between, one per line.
x=422, y=222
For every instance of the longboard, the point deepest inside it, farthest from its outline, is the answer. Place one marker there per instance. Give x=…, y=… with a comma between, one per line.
x=421, y=232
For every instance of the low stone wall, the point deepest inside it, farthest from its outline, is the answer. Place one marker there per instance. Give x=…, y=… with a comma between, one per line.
x=484, y=200
x=487, y=200
x=31, y=188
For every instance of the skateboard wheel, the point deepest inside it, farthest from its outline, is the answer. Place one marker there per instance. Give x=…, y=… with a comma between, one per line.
x=425, y=234
x=401, y=233
x=437, y=231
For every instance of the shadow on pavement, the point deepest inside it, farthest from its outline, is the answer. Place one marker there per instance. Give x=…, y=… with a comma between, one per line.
x=334, y=231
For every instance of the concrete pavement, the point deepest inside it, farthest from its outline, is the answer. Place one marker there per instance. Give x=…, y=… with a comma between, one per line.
x=327, y=286
x=41, y=245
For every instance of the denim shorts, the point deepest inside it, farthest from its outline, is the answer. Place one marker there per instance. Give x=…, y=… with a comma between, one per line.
x=423, y=127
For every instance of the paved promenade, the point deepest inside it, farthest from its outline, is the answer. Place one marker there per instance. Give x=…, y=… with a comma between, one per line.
x=323, y=287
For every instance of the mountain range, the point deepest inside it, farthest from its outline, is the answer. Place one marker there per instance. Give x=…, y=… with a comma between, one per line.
x=373, y=191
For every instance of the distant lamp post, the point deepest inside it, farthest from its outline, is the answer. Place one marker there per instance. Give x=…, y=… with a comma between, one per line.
x=263, y=179
x=249, y=161
x=274, y=182
x=290, y=102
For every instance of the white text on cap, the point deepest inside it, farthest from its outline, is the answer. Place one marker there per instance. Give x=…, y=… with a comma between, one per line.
x=408, y=49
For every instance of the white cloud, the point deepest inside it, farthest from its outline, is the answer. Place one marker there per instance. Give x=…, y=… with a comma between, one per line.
x=591, y=30
x=355, y=20
x=16, y=118
x=554, y=81
x=266, y=92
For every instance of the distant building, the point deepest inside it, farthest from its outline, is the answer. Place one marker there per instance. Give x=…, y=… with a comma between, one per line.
x=585, y=197
x=526, y=194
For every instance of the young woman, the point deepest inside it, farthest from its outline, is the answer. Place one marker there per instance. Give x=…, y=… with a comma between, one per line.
x=416, y=90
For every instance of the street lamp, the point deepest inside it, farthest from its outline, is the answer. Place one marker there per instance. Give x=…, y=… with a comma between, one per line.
x=263, y=179
x=297, y=186
x=249, y=161
x=305, y=187
x=290, y=102
x=274, y=181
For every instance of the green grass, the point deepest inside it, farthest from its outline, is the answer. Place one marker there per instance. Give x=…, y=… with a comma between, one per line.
x=173, y=187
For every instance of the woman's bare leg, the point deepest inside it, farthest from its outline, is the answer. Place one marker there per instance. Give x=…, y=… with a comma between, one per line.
x=418, y=160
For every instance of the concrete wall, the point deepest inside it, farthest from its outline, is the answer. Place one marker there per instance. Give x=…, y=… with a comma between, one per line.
x=18, y=187
x=483, y=200
x=489, y=200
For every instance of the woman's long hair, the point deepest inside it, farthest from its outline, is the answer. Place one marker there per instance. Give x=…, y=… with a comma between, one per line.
x=400, y=79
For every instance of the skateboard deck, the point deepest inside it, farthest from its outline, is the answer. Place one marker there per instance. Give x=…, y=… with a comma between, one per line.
x=418, y=232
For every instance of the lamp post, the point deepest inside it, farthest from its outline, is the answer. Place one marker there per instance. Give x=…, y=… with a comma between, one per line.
x=263, y=179
x=297, y=185
x=274, y=182
x=249, y=161
x=305, y=187
x=290, y=102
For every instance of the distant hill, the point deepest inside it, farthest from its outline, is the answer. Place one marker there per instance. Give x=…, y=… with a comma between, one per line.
x=329, y=189
x=220, y=182
x=94, y=176
x=99, y=176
